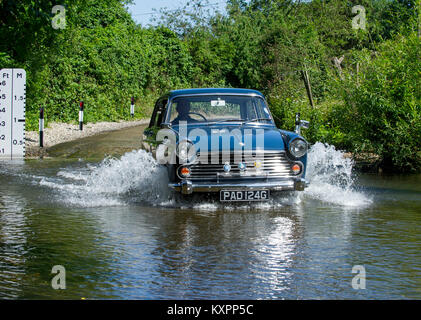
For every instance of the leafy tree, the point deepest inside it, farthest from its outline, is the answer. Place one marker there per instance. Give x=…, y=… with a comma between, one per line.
x=382, y=111
x=102, y=57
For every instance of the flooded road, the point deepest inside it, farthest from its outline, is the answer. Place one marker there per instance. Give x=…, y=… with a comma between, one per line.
x=120, y=234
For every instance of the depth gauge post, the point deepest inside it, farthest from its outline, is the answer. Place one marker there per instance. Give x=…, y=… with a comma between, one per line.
x=132, y=107
x=81, y=106
x=41, y=127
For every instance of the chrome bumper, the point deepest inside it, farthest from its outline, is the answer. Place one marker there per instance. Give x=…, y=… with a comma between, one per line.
x=188, y=186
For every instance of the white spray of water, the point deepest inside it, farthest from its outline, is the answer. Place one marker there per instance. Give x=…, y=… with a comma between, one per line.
x=137, y=177
x=331, y=178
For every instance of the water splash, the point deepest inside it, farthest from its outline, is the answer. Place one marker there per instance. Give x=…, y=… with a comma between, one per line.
x=331, y=178
x=137, y=178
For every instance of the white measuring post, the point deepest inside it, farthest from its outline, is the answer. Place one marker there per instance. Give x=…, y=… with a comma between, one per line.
x=41, y=127
x=81, y=106
x=12, y=113
x=132, y=108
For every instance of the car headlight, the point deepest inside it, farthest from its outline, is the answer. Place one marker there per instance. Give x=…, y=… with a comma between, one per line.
x=298, y=148
x=186, y=152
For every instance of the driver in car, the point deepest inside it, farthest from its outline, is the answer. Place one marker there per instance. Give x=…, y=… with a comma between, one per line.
x=183, y=110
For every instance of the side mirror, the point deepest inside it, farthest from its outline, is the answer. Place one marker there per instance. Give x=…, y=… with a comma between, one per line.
x=305, y=124
x=166, y=125
x=300, y=123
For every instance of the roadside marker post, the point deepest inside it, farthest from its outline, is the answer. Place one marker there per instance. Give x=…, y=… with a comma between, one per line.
x=297, y=122
x=81, y=106
x=132, y=108
x=41, y=127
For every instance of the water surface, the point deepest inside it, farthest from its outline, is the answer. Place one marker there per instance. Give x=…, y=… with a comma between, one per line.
x=120, y=234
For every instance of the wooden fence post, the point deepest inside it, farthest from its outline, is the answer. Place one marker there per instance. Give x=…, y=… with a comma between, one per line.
x=304, y=75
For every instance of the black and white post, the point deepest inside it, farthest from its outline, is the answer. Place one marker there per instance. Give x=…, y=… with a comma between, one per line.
x=297, y=122
x=132, y=108
x=81, y=116
x=41, y=127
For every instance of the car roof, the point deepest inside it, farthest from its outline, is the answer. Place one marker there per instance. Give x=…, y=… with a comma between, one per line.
x=176, y=93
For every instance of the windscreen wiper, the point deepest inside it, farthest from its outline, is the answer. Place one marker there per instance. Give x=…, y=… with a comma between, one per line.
x=240, y=120
x=258, y=119
x=226, y=120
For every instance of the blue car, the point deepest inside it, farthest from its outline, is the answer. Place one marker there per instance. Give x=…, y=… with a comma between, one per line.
x=225, y=141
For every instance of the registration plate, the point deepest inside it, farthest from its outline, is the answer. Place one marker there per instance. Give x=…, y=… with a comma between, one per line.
x=243, y=195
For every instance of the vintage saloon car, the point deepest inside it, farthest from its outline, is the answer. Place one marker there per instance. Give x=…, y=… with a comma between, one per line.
x=225, y=140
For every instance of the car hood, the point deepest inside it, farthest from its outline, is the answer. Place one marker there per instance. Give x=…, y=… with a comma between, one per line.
x=232, y=137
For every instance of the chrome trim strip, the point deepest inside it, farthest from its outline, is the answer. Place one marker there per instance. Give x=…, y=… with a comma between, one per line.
x=188, y=187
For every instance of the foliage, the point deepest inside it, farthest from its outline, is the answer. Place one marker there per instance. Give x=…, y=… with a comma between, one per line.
x=384, y=108
x=103, y=58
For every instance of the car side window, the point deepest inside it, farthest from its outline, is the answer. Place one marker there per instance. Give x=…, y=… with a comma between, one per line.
x=153, y=116
x=159, y=110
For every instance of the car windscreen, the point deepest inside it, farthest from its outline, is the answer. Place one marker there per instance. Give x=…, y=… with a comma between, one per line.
x=218, y=108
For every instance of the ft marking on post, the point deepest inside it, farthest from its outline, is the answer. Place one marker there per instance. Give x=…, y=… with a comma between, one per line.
x=12, y=113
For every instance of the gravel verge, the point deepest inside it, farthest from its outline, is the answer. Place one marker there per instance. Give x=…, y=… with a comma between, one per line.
x=57, y=133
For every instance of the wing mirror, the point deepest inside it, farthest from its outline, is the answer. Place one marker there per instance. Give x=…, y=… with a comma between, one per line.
x=300, y=123
x=166, y=125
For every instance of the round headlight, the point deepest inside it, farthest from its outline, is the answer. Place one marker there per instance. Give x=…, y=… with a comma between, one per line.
x=186, y=152
x=298, y=148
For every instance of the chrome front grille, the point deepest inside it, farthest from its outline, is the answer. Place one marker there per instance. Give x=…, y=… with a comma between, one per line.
x=274, y=164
